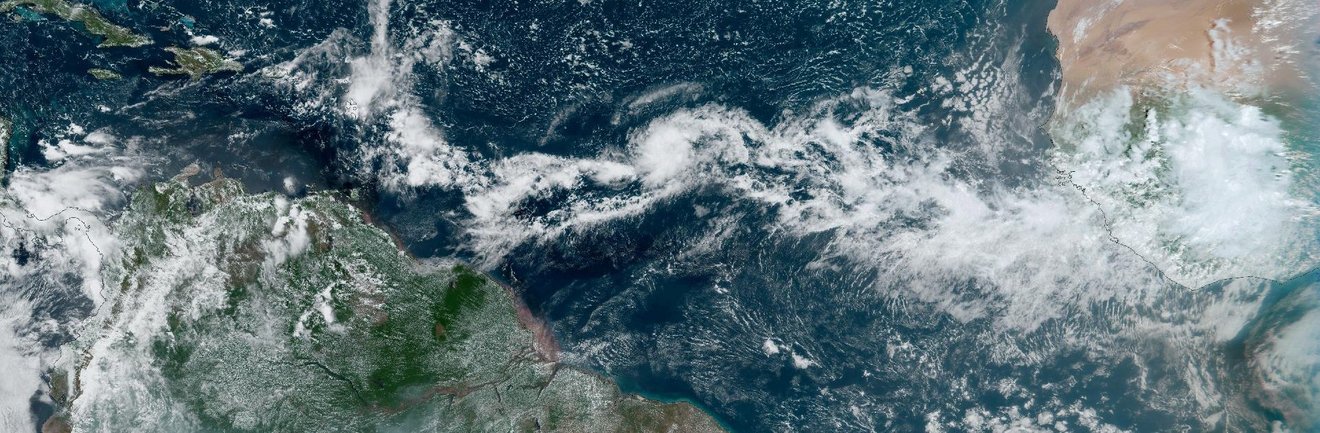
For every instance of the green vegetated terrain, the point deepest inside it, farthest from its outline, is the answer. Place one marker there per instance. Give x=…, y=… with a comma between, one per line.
x=196, y=62
x=193, y=62
x=238, y=312
x=104, y=74
x=113, y=35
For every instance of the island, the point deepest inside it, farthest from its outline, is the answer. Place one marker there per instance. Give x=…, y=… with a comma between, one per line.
x=196, y=62
x=113, y=35
x=6, y=128
x=104, y=74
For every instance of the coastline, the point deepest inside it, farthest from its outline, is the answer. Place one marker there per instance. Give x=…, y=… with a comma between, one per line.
x=1222, y=76
x=545, y=345
x=535, y=356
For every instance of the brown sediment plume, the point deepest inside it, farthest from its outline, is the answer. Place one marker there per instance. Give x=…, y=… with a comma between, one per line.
x=1219, y=44
x=543, y=338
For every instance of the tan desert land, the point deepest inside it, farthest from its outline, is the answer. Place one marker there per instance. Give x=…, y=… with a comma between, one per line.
x=1241, y=47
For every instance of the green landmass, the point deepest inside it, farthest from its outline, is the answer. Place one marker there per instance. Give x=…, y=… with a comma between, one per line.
x=196, y=62
x=104, y=74
x=93, y=22
x=230, y=312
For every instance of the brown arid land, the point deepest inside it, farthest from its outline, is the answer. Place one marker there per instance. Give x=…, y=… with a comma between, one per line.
x=1240, y=47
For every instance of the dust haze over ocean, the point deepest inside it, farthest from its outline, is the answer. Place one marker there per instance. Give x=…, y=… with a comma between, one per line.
x=801, y=216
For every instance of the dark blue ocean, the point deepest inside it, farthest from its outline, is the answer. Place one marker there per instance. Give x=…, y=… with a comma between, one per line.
x=698, y=295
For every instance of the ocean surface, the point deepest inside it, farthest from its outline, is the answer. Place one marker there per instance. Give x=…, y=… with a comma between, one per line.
x=797, y=215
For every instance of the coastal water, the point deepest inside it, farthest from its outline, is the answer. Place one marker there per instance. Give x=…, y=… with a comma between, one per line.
x=701, y=297
x=799, y=216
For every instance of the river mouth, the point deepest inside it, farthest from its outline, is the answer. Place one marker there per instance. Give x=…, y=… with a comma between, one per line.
x=797, y=216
